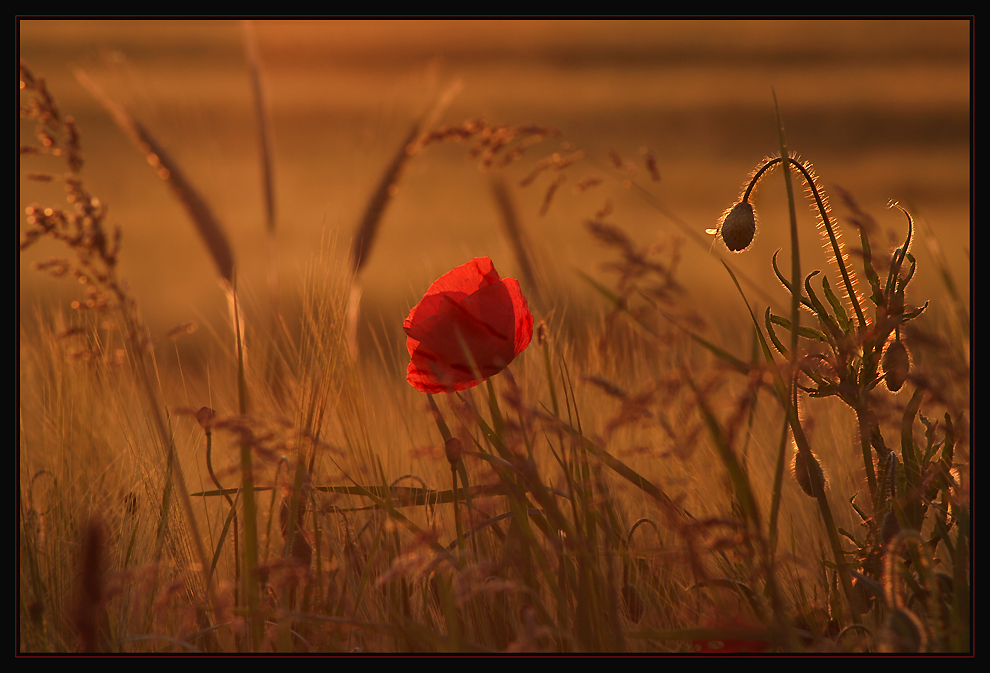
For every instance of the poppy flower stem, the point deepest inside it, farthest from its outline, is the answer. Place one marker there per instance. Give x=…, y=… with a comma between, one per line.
x=497, y=422
x=455, y=464
x=438, y=417
x=814, y=190
x=457, y=514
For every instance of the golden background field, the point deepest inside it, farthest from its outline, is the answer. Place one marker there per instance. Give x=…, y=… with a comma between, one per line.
x=882, y=108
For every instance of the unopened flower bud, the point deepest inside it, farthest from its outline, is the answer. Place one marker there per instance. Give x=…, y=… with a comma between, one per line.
x=454, y=449
x=799, y=467
x=739, y=226
x=205, y=417
x=896, y=363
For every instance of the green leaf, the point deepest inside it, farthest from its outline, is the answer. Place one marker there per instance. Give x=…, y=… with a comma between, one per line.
x=773, y=337
x=778, y=381
x=915, y=313
x=820, y=311
x=909, y=454
x=871, y=273
x=899, y=254
x=725, y=356
x=738, y=476
x=840, y=313
x=787, y=283
x=950, y=441
x=806, y=332
x=849, y=536
x=223, y=535
x=862, y=514
x=910, y=273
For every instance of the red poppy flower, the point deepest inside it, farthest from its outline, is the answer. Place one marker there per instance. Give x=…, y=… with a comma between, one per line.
x=735, y=636
x=470, y=325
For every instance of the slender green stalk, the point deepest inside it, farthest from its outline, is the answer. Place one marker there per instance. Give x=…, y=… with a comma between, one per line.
x=457, y=513
x=795, y=320
x=233, y=509
x=796, y=326
x=249, y=578
x=818, y=488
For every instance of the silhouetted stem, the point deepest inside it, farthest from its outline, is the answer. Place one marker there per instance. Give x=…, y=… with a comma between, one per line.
x=826, y=220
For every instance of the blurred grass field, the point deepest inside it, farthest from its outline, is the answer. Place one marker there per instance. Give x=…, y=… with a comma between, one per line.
x=882, y=108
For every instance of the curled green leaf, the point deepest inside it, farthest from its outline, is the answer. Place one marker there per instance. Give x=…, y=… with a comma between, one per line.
x=840, y=313
x=820, y=310
x=787, y=283
x=773, y=336
x=806, y=332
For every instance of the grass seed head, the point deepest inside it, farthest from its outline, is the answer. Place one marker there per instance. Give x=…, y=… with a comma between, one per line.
x=738, y=227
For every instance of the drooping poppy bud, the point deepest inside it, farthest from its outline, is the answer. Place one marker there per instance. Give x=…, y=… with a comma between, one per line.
x=896, y=363
x=739, y=226
x=206, y=417
x=469, y=326
x=802, y=471
x=454, y=449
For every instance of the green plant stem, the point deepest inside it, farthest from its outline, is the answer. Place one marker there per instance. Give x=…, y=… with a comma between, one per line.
x=230, y=501
x=457, y=514
x=249, y=577
x=863, y=416
x=792, y=393
x=826, y=220
x=818, y=488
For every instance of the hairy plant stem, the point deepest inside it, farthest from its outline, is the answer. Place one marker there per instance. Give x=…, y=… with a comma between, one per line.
x=826, y=220
x=790, y=403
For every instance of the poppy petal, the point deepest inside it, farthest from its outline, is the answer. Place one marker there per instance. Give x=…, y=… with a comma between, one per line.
x=469, y=326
